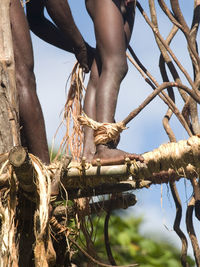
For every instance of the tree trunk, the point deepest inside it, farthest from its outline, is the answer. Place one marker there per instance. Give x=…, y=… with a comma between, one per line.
x=9, y=136
x=9, y=130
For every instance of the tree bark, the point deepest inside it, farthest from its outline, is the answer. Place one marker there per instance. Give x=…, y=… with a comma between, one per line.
x=9, y=137
x=9, y=130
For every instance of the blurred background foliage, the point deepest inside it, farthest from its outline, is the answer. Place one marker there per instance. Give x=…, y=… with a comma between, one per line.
x=128, y=245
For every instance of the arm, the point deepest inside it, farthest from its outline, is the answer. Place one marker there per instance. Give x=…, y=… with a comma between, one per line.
x=64, y=34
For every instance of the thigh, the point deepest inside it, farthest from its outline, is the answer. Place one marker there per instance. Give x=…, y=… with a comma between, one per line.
x=129, y=17
x=21, y=36
x=109, y=26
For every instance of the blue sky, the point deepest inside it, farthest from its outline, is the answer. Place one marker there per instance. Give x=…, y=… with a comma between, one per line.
x=145, y=132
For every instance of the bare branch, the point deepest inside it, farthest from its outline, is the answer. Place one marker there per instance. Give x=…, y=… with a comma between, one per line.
x=196, y=20
x=191, y=231
x=169, y=14
x=192, y=37
x=107, y=189
x=153, y=95
x=119, y=202
x=166, y=98
x=143, y=71
x=177, y=222
x=185, y=29
x=179, y=16
x=166, y=46
x=107, y=242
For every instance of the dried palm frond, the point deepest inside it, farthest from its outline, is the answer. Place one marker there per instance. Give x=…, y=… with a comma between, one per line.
x=73, y=138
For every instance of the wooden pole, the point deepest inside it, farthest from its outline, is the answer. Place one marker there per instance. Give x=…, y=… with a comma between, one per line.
x=9, y=136
x=119, y=202
x=9, y=131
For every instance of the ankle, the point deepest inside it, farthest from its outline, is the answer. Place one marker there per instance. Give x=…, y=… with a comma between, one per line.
x=101, y=147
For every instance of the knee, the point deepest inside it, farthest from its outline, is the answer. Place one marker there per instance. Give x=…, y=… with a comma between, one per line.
x=122, y=68
x=117, y=67
x=25, y=81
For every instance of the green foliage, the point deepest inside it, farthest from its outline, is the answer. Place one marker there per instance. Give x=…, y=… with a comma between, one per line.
x=129, y=246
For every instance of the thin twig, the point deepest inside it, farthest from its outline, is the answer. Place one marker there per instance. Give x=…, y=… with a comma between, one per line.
x=185, y=29
x=169, y=14
x=154, y=94
x=165, y=97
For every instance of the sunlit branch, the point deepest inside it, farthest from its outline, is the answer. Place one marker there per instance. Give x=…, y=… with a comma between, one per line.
x=166, y=46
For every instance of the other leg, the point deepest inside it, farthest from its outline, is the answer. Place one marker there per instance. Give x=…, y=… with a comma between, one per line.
x=31, y=117
x=111, y=46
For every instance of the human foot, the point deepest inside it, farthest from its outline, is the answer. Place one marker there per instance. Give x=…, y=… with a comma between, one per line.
x=109, y=156
x=89, y=147
x=88, y=155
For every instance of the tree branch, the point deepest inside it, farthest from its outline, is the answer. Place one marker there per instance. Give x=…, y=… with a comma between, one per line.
x=118, y=202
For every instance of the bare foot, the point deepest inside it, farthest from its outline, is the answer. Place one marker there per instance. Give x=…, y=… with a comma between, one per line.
x=109, y=156
x=88, y=155
x=89, y=148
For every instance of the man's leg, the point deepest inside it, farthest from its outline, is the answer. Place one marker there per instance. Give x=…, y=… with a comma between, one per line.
x=89, y=147
x=111, y=46
x=31, y=121
x=31, y=117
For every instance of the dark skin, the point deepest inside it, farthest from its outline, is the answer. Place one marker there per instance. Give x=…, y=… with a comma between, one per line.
x=31, y=117
x=108, y=70
x=66, y=37
x=63, y=33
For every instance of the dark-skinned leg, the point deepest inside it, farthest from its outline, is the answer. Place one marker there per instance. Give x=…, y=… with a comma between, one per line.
x=109, y=30
x=90, y=103
x=89, y=147
x=61, y=14
x=31, y=120
x=31, y=117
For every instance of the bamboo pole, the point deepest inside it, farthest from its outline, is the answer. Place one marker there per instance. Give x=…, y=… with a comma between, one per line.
x=168, y=162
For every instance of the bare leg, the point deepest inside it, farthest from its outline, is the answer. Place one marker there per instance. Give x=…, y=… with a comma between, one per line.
x=31, y=117
x=89, y=147
x=110, y=30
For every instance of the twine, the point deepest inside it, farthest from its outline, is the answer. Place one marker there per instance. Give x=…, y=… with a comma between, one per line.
x=8, y=202
x=104, y=132
x=43, y=182
x=181, y=155
x=73, y=139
